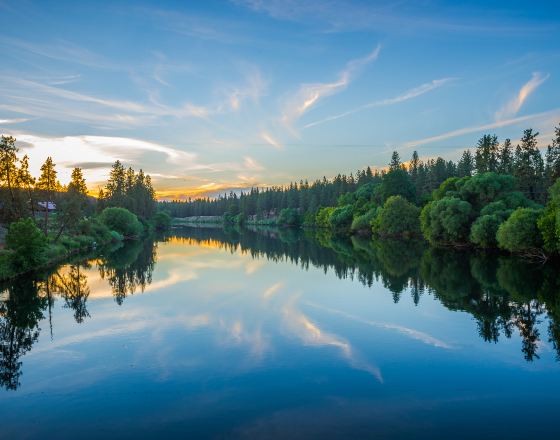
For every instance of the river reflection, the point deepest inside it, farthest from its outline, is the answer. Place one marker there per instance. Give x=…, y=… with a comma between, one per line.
x=208, y=322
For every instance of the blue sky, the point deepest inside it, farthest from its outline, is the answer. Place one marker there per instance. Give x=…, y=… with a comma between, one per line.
x=208, y=96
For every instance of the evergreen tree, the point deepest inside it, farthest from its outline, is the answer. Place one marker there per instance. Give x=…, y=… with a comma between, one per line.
x=115, y=189
x=395, y=163
x=8, y=173
x=529, y=166
x=48, y=183
x=465, y=166
x=27, y=182
x=77, y=182
x=486, y=156
x=553, y=158
x=505, y=158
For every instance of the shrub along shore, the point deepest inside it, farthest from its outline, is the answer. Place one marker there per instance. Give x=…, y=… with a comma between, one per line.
x=47, y=222
x=499, y=197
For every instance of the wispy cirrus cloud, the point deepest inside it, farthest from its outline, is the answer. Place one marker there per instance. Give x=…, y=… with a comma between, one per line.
x=58, y=50
x=13, y=121
x=394, y=17
x=310, y=94
x=42, y=100
x=252, y=164
x=480, y=128
x=409, y=94
x=97, y=153
x=512, y=107
x=267, y=137
x=252, y=90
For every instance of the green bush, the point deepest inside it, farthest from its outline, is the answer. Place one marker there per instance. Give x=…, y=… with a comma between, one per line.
x=161, y=221
x=341, y=217
x=28, y=243
x=398, y=218
x=547, y=227
x=446, y=221
x=447, y=189
x=323, y=216
x=520, y=233
x=481, y=189
x=121, y=220
x=289, y=217
x=93, y=228
x=362, y=223
x=484, y=229
x=115, y=236
x=309, y=218
x=549, y=222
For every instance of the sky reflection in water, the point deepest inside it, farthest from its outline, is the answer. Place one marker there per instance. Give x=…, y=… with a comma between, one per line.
x=222, y=334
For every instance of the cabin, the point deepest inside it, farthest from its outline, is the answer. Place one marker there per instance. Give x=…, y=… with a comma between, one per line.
x=46, y=206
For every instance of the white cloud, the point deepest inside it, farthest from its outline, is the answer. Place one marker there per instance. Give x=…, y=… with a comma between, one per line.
x=480, y=128
x=512, y=107
x=67, y=151
x=252, y=164
x=270, y=140
x=410, y=94
x=252, y=90
x=310, y=94
x=13, y=121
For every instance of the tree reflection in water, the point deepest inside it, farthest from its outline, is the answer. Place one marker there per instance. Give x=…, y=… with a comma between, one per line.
x=25, y=301
x=129, y=268
x=20, y=312
x=504, y=294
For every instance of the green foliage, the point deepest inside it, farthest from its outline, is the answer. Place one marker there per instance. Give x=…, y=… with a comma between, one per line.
x=396, y=183
x=161, y=221
x=341, y=217
x=28, y=243
x=323, y=216
x=446, y=220
x=121, y=220
x=549, y=222
x=309, y=219
x=92, y=227
x=366, y=191
x=520, y=233
x=398, y=218
x=362, y=223
x=346, y=199
x=289, y=217
x=547, y=227
x=447, y=189
x=484, y=229
x=130, y=190
x=482, y=189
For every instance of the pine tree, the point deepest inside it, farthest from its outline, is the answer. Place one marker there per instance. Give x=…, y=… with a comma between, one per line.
x=553, y=158
x=486, y=156
x=505, y=158
x=27, y=181
x=48, y=183
x=529, y=166
x=77, y=182
x=465, y=166
x=115, y=189
x=8, y=170
x=395, y=163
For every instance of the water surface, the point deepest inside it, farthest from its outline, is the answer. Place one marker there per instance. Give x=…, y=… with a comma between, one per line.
x=215, y=333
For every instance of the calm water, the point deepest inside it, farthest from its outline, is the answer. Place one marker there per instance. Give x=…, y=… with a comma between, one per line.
x=228, y=334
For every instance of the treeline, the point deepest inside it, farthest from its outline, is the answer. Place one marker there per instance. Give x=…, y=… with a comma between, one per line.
x=47, y=220
x=457, y=203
